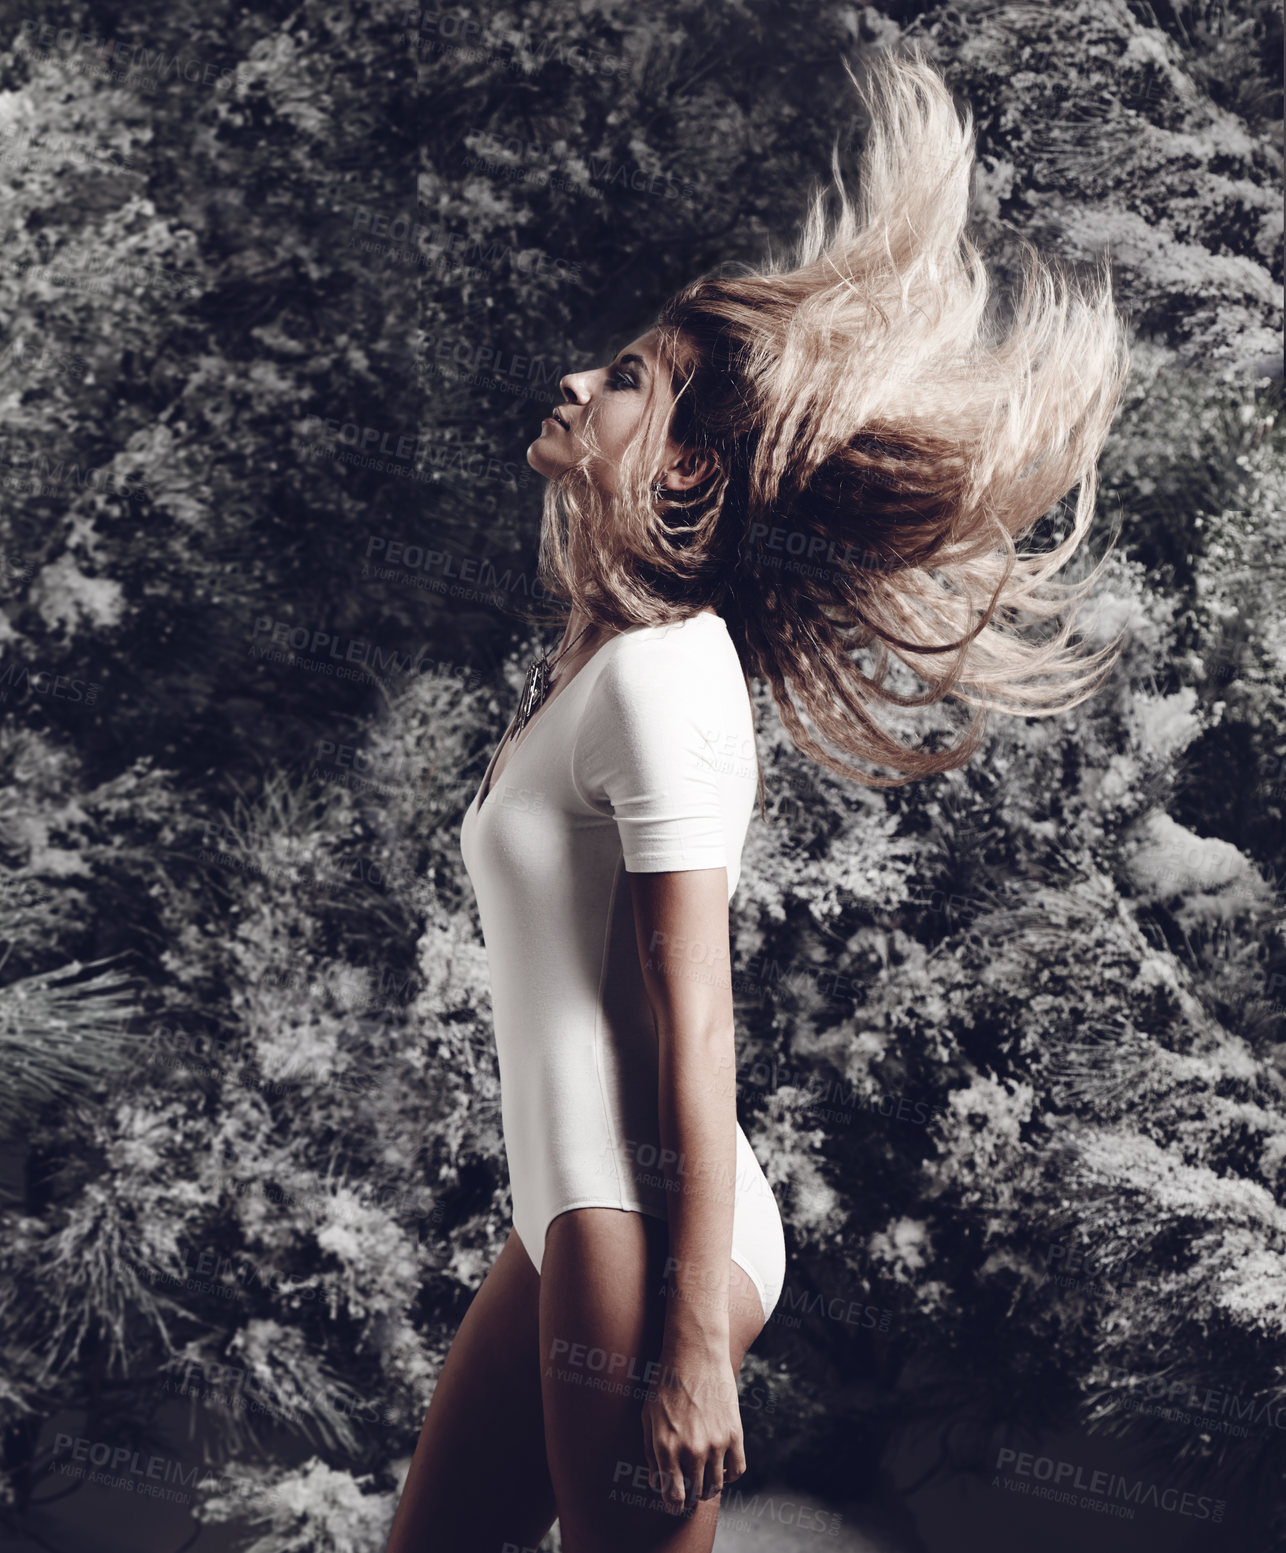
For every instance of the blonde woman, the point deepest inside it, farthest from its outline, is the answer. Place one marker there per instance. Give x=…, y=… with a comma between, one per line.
x=833, y=453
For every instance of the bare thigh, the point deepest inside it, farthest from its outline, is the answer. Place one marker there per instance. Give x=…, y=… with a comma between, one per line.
x=479, y=1479
x=602, y=1319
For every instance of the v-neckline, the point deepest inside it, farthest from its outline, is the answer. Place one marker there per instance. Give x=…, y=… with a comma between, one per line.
x=487, y=787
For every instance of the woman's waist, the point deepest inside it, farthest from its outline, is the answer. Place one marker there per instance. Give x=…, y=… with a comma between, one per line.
x=575, y=1134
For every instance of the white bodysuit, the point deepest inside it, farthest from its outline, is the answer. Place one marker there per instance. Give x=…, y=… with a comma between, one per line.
x=643, y=763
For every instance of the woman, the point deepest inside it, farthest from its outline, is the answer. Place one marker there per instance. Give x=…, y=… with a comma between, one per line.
x=829, y=454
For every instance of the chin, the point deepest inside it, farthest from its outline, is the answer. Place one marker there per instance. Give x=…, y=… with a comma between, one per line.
x=548, y=458
x=541, y=462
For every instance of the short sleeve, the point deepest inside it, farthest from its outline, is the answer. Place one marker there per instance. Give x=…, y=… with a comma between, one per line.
x=643, y=748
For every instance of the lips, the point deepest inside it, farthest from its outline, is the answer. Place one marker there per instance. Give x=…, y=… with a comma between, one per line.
x=554, y=415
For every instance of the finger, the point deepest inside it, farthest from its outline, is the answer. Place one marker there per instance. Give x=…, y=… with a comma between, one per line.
x=678, y=1485
x=693, y=1483
x=736, y=1459
x=649, y=1455
x=666, y=1477
x=712, y=1482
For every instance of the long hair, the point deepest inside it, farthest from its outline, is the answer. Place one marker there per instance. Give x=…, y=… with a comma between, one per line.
x=884, y=437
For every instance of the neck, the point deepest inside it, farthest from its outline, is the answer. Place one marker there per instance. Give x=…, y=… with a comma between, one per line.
x=576, y=624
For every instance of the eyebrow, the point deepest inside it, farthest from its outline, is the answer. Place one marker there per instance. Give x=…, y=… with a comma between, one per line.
x=630, y=356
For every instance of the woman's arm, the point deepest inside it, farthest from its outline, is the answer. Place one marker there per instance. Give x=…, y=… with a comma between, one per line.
x=681, y=922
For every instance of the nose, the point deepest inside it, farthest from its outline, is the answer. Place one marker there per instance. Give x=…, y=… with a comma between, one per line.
x=574, y=388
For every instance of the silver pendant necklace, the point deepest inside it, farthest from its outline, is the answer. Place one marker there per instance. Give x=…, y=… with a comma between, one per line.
x=535, y=688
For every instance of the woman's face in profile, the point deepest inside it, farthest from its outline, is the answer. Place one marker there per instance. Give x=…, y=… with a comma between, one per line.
x=613, y=398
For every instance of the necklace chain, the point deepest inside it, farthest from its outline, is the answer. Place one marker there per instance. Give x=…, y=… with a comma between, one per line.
x=535, y=688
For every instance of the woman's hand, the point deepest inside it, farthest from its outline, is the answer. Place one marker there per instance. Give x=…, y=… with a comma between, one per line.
x=691, y=1421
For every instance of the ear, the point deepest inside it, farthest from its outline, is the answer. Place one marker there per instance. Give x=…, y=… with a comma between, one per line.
x=691, y=467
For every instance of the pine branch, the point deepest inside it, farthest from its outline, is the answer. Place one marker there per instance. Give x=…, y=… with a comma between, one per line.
x=58, y=1035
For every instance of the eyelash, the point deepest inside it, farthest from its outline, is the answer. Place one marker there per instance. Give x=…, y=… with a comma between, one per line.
x=622, y=379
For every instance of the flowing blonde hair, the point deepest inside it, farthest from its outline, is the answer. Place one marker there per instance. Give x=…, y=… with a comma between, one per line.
x=869, y=411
